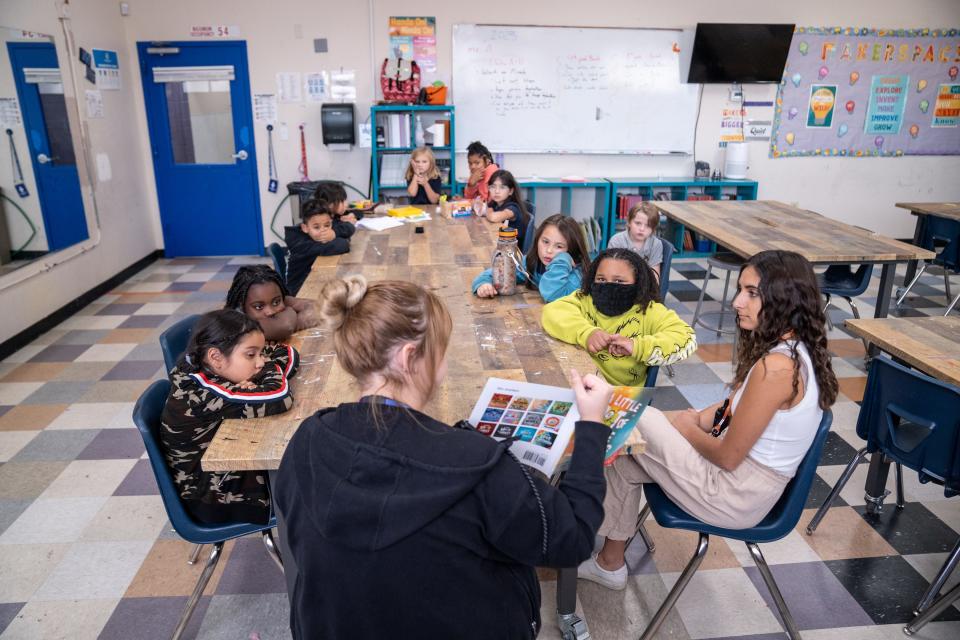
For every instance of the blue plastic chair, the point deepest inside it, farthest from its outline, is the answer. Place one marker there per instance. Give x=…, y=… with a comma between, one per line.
x=914, y=420
x=173, y=341
x=842, y=281
x=941, y=235
x=668, y=252
x=531, y=226
x=778, y=523
x=279, y=256
x=146, y=415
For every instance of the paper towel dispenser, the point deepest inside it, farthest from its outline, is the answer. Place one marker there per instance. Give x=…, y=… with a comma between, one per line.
x=337, y=123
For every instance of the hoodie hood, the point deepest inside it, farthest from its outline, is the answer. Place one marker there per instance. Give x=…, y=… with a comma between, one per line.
x=293, y=236
x=368, y=487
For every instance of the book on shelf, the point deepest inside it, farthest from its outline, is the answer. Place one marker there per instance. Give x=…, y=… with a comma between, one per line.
x=539, y=420
x=393, y=168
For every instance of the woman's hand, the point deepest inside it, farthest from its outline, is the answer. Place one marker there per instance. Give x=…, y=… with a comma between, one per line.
x=687, y=419
x=486, y=290
x=598, y=341
x=593, y=395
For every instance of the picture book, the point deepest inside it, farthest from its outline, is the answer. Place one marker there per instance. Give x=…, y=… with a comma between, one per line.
x=540, y=419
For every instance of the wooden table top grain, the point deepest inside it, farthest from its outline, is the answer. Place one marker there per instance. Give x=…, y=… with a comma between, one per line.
x=930, y=344
x=938, y=209
x=499, y=337
x=747, y=227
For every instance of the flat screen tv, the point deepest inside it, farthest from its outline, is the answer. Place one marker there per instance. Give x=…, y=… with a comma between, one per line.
x=724, y=53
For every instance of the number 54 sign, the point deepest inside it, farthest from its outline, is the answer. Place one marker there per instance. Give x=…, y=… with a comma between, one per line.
x=215, y=31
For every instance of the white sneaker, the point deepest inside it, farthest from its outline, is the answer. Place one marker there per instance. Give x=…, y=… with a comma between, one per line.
x=590, y=570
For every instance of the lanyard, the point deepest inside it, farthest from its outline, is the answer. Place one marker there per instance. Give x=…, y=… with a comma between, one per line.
x=15, y=165
x=390, y=402
x=304, y=172
x=271, y=161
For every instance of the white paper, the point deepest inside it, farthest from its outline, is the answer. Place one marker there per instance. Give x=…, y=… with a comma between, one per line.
x=265, y=107
x=9, y=113
x=343, y=85
x=104, y=173
x=316, y=85
x=94, y=103
x=289, y=87
x=379, y=224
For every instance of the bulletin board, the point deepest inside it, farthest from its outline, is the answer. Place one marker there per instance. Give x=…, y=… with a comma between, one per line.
x=869, y=92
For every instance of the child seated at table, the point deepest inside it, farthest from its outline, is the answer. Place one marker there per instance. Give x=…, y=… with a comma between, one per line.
x=332, y=196
x=481, y=164
x=226, y=372
x=506, y=206
x=616, y=317
x=258, y=291
x=315, y=236
x=423, y=177
x=401, y=526
x=554, y=261
x=641, y=235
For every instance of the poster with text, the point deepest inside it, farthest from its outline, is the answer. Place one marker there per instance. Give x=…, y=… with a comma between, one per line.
x=415, y=38
x=858, y=92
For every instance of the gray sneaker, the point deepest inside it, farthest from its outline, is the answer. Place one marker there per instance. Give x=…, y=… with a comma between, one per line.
x=590, y=570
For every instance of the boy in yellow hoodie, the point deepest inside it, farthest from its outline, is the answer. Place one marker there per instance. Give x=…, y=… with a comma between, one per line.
x=616, y=317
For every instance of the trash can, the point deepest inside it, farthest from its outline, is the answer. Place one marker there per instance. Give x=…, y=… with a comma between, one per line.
x=299, y=193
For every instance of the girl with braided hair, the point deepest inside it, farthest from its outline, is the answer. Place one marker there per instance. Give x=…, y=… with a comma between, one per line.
x=729, y=463
x=259, y=291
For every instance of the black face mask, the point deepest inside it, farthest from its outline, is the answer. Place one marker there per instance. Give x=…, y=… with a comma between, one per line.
x=612, y=298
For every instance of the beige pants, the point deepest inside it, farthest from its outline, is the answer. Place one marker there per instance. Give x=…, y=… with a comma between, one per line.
x=736, y=499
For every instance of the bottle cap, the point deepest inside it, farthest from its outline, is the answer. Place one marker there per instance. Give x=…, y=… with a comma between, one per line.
x=508, y=234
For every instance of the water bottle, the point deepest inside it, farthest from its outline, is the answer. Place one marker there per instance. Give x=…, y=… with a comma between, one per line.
x=505, y=258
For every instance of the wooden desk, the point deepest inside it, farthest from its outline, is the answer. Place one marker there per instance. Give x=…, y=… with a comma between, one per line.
x=748, y=227
x=930, y=344
x=499, y=337
x=949, y=210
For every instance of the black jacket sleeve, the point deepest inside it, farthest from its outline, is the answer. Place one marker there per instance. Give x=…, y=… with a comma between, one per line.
x=573, y=511
x=342, y=229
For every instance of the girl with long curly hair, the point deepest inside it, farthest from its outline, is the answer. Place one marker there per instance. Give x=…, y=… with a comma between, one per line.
x=729, y=463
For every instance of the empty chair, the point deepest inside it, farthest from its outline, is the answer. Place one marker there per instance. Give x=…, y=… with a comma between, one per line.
x=840, y=280
x=778, y=523
x=173, y=341
x=941, y=235
x=279, y=256
x=146, y=415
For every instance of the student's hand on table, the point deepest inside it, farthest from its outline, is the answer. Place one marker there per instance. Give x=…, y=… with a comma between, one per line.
x=349, y=217
x=593, y=395
x=486, y=290
x=327, y=235
x=620, y=346
x=598, y=341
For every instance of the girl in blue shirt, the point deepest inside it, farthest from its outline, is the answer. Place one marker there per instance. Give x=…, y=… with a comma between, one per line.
x=506, y=205
x=554, y=262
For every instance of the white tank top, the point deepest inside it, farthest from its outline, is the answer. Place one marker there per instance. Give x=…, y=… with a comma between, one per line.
x=790, y=432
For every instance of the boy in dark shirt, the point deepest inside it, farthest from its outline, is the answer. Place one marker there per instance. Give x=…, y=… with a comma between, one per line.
x=318, y=235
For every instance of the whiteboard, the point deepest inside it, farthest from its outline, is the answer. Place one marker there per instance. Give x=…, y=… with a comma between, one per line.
x=572, y=90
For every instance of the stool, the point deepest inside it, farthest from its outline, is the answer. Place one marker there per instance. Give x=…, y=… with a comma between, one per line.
x=728, y=262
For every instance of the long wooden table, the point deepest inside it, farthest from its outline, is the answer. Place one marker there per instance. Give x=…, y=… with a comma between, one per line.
x=746, y=227
x=931, y=345
x=921, y=210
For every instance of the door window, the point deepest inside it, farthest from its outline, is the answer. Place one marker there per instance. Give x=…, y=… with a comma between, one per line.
x=201, y=121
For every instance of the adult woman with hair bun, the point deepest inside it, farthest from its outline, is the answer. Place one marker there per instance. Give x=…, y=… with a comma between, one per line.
x=729, y=463
x=402, y=526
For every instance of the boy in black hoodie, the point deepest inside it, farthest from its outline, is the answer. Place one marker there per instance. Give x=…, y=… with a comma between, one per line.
x=318, y=235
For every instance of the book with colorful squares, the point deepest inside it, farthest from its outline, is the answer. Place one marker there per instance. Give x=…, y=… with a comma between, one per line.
x=540, y=420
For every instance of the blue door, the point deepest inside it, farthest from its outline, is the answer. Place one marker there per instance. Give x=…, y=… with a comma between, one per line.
x=40, y=91
x=199, y=115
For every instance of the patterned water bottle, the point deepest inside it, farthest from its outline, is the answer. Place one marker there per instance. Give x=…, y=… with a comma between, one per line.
x=505, y=259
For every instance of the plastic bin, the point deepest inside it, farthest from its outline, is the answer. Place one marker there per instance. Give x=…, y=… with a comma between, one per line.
x=299, y=193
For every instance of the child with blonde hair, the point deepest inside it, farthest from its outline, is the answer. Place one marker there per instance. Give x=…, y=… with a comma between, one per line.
x=384, y=504
x=423, y=177
x=640, y=236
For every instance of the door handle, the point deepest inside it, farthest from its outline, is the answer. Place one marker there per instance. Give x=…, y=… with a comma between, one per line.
x=43, y=158
x=240, y=155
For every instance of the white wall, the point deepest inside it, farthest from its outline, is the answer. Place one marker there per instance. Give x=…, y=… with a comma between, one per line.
x=280, y=35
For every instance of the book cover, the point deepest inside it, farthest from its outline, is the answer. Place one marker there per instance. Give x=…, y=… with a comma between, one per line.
x=541, y=419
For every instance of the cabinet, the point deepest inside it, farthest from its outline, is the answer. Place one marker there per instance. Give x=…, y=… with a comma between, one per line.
x=394, y=137
x=622, y=189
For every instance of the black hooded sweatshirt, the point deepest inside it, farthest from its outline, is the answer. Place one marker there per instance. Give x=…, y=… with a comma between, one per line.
x=415, y=529
x=303, y=250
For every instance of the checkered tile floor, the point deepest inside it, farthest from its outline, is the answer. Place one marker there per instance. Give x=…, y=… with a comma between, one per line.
x=86, y=550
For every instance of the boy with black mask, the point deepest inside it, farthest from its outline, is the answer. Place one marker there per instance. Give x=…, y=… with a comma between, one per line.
x=616, y=316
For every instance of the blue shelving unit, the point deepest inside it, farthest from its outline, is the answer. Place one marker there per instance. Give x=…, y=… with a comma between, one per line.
x=679, y=189
x=428, y=114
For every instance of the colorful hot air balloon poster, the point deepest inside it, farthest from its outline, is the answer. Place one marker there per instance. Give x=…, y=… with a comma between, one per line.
x=888, y=98
x=823, y=99
x=946, y=111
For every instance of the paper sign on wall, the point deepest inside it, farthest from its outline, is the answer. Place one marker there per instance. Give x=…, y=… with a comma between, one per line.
x=9, y=113
x=415, y=38
x=316, y=85
x=265, y=107
x=289, y=87
x=215, y=31
x=94, y=101
x=107, y=67
x=343, y=85
x=946, y=110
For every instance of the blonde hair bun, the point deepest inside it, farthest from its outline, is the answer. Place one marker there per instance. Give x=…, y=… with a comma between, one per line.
x=337, y=297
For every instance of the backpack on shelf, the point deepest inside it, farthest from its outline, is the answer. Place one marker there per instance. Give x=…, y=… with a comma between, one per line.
x=400, y=80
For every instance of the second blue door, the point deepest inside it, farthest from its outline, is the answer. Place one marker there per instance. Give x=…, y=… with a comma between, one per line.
x=197, y=97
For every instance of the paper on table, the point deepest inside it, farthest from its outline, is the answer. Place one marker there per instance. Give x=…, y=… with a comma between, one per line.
x=379, y=224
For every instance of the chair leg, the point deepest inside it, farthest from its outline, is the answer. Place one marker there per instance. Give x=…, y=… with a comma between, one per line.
x=899, y=475
x=642, y=530
x=856, y=314
x=946, y=282
x=934, y=589
x=952, y=305
x=826, y=305
x=935, y=609
x=703, y=291
x=822, y=511
x=671, y=373
x=785, y=615
x=194, y=554
x=922, y=266
x=272, y=548
x=678, y=588
x=198, y=590
x=723, y=303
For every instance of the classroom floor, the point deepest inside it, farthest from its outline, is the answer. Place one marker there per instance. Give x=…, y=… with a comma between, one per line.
x=86, y=551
